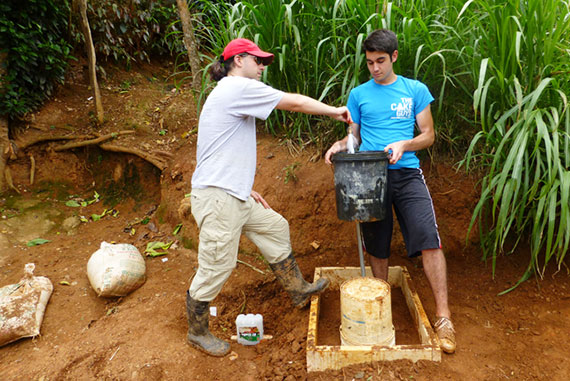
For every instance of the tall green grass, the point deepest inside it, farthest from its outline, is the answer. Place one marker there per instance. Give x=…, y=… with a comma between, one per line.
x=526, y=189
x=520, y=103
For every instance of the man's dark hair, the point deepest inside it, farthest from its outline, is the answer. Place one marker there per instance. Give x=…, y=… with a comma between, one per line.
x=381, y=40
x=220, y=68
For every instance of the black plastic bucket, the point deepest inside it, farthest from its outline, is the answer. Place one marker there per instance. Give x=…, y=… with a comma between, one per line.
x=360, y=182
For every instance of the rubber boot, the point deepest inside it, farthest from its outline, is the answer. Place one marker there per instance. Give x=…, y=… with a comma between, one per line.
x=288, y=273
x=199, y=336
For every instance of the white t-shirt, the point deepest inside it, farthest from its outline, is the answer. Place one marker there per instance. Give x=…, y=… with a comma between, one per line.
x=226, y=153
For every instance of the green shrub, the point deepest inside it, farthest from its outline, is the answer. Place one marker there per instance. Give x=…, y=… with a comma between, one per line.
x=35, y=52
x=132, y=30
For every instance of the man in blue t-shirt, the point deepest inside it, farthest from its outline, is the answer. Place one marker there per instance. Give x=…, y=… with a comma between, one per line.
x=385, y=111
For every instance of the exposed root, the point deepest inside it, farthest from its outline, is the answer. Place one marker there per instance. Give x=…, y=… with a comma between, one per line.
x=163, y=153
x=92, y=141
x=153, y=158
x=22, y=144
x=32, y=169
x=251, y=267
x=156, y=161
x=11, y=151
x=157, y=158
x=9, y=181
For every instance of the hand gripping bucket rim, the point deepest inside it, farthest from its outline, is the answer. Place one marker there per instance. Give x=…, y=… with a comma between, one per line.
x=360, y=156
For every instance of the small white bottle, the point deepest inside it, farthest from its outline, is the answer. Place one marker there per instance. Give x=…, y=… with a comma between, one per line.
x=249, y=329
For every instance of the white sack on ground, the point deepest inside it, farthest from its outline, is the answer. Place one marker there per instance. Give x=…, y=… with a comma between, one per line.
x=116, y=269
x=22, y=306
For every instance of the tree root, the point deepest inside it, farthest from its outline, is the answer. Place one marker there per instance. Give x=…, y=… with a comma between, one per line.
x=92, y=141
x=23, y=144
x=153, y=158
x=32, y=169
x=9, y=181
x=157, y=158
x=160, y=163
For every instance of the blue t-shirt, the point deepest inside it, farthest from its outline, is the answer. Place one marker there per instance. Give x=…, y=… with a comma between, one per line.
x=387, y=114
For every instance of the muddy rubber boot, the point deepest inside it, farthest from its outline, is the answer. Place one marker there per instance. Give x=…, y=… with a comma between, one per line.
x=288, y=273
x=199, y=336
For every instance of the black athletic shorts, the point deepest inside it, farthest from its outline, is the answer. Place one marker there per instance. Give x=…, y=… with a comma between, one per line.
x=409, y=195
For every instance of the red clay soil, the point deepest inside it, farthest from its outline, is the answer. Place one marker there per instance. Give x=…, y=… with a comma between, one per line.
x=522, y=335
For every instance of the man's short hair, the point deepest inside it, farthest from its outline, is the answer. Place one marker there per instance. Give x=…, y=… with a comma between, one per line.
x=381, y=40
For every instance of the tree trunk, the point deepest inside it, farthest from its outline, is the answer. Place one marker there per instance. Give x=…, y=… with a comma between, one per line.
x=190, y=43
x=91, y=58
x=4, y=135
x=4, y=151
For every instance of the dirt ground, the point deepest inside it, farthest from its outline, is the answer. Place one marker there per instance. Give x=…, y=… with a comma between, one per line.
x=522, y=335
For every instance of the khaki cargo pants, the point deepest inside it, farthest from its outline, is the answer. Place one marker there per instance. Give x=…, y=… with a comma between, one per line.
x=221, y=219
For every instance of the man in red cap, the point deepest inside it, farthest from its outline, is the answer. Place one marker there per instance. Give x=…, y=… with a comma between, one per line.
x=222, y=200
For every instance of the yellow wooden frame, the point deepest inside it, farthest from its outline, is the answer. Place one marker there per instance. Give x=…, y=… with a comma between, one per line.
x=324, y=357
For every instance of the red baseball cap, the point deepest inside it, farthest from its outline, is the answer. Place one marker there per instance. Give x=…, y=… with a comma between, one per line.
x=243, y=45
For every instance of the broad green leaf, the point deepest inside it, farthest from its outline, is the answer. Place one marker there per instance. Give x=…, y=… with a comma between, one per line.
x=97, y=217
x=157, y=248
x=36, y=241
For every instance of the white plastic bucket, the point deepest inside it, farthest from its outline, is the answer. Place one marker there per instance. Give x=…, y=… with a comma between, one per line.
x=249, y=329
x=366, y=313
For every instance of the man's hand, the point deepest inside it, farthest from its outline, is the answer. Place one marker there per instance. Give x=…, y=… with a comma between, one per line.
x=185, y=208
x=396, y=150
x=343, y=115
x=339, y=146
x=423, y=140
x=257, y=197
x=342, y=145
